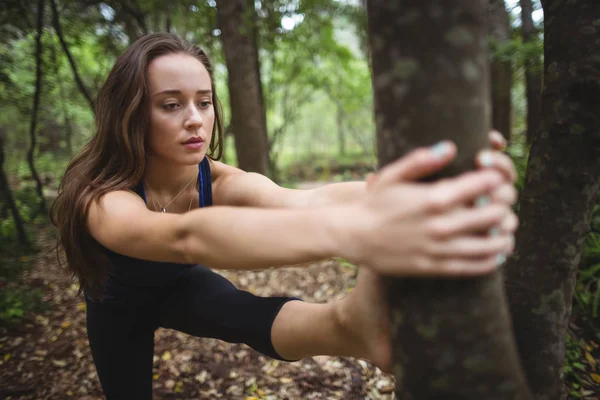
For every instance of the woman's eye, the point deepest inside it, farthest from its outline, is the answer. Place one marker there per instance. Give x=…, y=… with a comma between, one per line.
x=170, y=106
x=204, y=104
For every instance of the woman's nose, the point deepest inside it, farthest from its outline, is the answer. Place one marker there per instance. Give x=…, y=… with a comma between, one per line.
x=194, y=118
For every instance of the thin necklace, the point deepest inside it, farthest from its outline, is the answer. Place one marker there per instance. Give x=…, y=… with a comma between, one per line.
x=164, y=209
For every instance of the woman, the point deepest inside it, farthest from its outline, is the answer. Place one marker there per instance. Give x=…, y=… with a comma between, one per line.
x=146, y=203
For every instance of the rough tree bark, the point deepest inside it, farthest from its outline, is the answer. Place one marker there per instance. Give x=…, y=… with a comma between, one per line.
x=248, y=118
x=561, y=189
x=533, y=72
x=452, y=338
x=36, y=104
x=65, y=47
x=6, y=193
x=500, y=70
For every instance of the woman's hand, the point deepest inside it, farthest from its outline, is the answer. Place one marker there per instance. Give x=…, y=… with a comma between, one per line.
x=408, y=228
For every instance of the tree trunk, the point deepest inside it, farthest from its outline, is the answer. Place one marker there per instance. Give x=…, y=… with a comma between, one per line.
x=341, y=134
x=500, y=70
x=561, y=189
x=248, y=116
x=451, y=338
x=533, y=73
x=9, y=200
x=63, y=43
x=36, y=104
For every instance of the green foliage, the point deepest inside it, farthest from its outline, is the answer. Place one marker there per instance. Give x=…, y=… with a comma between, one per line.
x=587, y=291
x=19, y=300
x=573, y=367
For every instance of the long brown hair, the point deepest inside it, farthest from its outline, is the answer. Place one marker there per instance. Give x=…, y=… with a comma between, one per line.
x=114, y=158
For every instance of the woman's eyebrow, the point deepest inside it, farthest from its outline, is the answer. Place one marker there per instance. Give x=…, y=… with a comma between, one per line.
x=177, y=91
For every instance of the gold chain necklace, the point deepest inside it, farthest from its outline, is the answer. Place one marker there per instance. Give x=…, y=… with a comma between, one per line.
x=164, y=209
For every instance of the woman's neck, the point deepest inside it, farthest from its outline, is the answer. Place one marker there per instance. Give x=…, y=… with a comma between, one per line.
x=168, y=180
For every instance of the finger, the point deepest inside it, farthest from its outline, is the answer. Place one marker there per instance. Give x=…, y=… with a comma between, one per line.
x=472, y=246
x=499, y=161
x=509, y=224
x=463, y=189
x=497, y=140
x=417, y=164
x=456, y=267
x=505, y=194
x=471, y=220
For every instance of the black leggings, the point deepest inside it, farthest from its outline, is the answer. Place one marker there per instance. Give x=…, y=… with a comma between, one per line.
x=198, y=302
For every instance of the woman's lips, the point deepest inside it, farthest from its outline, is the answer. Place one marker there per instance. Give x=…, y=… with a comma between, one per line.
x=194, y=143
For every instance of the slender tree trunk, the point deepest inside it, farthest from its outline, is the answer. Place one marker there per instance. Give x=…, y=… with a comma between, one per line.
x=63, y=101
x=451, y=338
x=36, y=105
x=65, y=47
x=341, y=134
x=533, y=73
x=500, y=70
x=247, y=107
x=561, y=189
x=9, y=200
x=169, y=11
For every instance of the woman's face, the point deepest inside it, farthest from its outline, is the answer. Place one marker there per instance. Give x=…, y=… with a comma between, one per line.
x=181, y=111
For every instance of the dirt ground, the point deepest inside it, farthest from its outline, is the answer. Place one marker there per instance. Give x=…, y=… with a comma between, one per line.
x=47, y=356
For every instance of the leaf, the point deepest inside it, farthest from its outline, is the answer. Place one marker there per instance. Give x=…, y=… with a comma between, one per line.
x=590, y=359
x=81, y=306
x=166, y=356
x=595, y=377
x=59, y=363
x=285, y=380
x=6, y=357
x=178, y=387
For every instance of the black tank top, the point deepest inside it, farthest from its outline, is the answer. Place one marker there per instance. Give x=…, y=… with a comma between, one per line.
x=129, y=271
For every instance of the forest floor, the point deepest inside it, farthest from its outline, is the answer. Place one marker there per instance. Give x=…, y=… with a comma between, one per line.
x=47, y=356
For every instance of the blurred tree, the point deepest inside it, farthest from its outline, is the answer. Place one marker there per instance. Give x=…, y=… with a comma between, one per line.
x=533, y=71
x=501, y=74
x=34, y=110
x=452, y=338
x=58, y=29
x=8, y=199
x=561, y=188
x=236, y=20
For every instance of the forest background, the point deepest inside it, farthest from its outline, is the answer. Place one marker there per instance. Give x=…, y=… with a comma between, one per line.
x=312, y=68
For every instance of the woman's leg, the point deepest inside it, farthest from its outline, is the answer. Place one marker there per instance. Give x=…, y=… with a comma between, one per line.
x=205, y=304
x=356, y=326
x=121, y=337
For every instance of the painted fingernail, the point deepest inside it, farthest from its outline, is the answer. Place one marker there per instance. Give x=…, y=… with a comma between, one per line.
x=440, y=149
x=500, y=259
x=494, y=232
x=482, y=201
x=485, y=158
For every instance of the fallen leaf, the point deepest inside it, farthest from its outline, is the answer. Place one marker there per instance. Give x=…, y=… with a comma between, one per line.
x=166, y=356
x=595, y=377
x=590, y=359
x=59, y=363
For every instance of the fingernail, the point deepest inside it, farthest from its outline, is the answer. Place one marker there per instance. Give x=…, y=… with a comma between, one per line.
x=494, y=232
x=482, y=201
x=485, y=158
x=500, y=259
x=440, y=149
